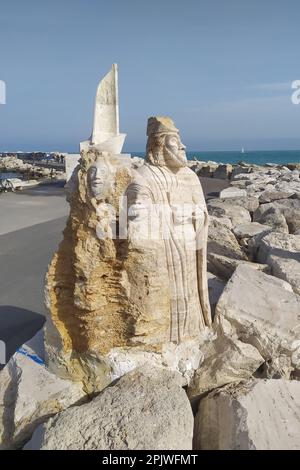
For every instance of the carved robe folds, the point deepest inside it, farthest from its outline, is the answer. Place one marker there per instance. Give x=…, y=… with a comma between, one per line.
x=168, y=222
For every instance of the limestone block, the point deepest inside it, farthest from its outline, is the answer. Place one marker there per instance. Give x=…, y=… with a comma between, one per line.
x=221, y=220
x=232, y=192
x=250, y=203
x=236, y=213
x=223, y=172
x=273, y=195
x=274, y=218
x=29, y=394
x=221, y=241
x=280, y=244
x=224, y=266
x=263, y=311
x=287, y=268
x=226, y=360
x=146, y=409
x=255, y=415
x=289, y=208
x=250, y=230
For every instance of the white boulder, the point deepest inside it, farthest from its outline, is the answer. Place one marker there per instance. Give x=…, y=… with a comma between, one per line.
x=255, y=415
x=263, y=311
x=145, y=409
x=29, y=394
x=232, y=192
x=226, y=360
x=279, y=244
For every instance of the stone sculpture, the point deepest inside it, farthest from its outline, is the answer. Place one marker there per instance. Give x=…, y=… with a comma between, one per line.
x=173, y=195
x=105, y=135
x=128, y=284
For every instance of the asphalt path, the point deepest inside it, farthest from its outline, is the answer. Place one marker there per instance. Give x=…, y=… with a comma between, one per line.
x=31, y=225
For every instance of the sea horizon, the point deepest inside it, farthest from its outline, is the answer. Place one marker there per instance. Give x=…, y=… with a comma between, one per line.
x=258, y=157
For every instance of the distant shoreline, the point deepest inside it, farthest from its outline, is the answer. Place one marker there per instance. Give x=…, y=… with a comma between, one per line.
x=256, y=157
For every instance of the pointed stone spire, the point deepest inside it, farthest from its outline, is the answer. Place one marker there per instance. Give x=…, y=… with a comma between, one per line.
x=105, y=135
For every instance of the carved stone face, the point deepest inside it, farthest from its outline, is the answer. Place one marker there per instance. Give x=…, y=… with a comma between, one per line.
x=99, y=179
x=174, y=151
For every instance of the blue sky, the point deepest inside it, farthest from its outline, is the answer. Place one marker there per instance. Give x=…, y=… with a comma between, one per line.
x=222, y=69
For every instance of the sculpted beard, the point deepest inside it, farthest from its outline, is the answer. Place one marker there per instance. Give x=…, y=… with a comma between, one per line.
x=161, y=153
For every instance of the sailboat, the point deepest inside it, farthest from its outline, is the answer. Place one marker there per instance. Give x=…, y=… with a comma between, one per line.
x=243, y=150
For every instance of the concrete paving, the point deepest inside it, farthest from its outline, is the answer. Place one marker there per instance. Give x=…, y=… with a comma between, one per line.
x=31, y=206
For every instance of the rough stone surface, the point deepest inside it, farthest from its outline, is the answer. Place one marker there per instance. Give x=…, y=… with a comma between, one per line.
x=249, y=230
x=273, y=218
x=223, y=172
x=224, y=267
x=226, y=360
x=256, y=415
x=221, y=241
x=273, y=195
x=29, y=394
x=232, y=192
x=280, y=244
x=287, y=269
x=263, y=311
x=250, y=203
x=221, y=220
x=237, y=214
x=143, y=410
x=289, y=208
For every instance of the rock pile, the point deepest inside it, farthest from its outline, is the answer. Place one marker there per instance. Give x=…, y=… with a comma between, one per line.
x=15, y=164
x=245, y=391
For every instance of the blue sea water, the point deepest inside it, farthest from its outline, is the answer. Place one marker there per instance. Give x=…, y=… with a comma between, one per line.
x=5, y=175
x=259, y=157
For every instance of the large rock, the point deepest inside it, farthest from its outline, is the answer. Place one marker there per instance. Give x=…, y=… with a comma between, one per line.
x=226, y=360
x=224, y=267
x=221, y=241
x=273, y=218
x=236, y=213
x=287, y=269
x=263, y=311
x=250, y=203
x=144, y=410
x=250, y=230
x=221, y=220
x=256, y=415
x=223, y=172
x=232, y=192
x=289, y=208
x=241, y=171
x=29, y=394
x=293, y=166
x=280, y=244
x=273, y=195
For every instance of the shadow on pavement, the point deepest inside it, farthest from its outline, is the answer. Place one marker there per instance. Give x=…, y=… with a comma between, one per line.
x=17, y=326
